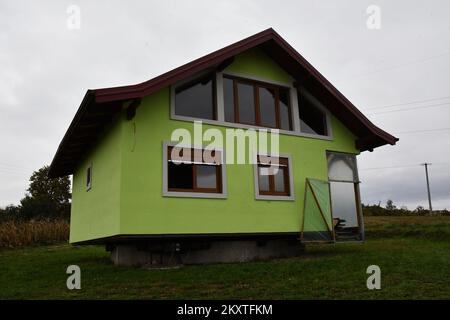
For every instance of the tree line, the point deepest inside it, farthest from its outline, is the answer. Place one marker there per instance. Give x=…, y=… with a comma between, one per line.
x=48, y=199
x=45, y=199
x=390, y=209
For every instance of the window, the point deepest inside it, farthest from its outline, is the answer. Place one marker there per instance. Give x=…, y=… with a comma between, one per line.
x=273, y=180
x=228, y=96
x=89, y=177
x=344, y=193
x=256, y=103
x=196, y=98
x=312, y=119
x=193, y=171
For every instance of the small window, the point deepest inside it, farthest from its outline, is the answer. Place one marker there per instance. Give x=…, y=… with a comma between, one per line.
x=273, y=179
x=89, y=177
x=196, y=98
x=189, y=174
x=256, y=103
x=312, y=119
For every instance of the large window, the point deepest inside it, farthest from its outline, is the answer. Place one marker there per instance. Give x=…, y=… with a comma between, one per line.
x=191, y=170
x=256, y=103
x=312, y=119
x=273, y=178
x=344, y=192
x=196, y=98
x=241, y=102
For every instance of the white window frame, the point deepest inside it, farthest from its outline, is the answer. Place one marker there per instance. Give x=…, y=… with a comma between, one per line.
x=165, y=189
x=295, y=119
x=258, y=196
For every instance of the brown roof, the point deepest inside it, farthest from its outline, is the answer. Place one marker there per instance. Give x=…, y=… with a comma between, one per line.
x=99, y=105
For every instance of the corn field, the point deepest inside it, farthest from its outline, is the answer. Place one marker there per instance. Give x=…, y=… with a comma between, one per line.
x=30, y=233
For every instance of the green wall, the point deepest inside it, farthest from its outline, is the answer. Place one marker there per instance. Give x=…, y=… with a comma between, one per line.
x=143, y=209
x=255, y=63
x=96, y=213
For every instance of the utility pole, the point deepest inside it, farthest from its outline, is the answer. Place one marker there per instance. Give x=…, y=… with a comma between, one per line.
x=428, y=185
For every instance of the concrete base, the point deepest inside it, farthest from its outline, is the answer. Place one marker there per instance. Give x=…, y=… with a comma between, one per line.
x=173, y=254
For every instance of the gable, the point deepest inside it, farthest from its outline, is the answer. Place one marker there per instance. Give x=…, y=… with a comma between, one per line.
x=99, y=106
x=256, y=63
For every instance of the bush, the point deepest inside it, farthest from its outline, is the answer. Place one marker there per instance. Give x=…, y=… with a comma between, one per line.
x=11, y=212
x=41, y=208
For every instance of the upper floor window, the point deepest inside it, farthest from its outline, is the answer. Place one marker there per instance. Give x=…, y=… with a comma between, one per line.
x=241, y=102
x=313, y=120
x=197, y=98
x=256, y=103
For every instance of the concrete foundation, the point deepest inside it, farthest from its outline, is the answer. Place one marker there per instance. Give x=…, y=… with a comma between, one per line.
x=172, y=254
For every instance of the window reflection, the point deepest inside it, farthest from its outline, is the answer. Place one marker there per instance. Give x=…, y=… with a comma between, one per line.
x=196, y=99
x=312, y=119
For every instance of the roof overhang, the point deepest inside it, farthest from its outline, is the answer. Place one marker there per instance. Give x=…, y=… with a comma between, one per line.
x=99, y=106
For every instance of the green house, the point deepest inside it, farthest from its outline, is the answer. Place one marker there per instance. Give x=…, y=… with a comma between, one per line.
x=150, y=197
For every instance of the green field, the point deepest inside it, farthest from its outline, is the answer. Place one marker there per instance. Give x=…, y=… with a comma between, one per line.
x=412, y=252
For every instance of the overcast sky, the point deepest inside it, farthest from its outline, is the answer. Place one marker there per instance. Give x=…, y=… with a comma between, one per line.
x=46, y=68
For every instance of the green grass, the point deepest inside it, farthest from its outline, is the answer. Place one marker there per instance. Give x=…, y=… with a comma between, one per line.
x=412, y=252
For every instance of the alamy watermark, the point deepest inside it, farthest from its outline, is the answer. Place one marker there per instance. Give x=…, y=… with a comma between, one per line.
x=374, y=280
x=73, y=21
x=373, y=21
x=205, y=143
x=74, y=278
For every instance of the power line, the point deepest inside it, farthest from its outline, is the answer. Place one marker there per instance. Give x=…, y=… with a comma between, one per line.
x=406, y=103
x=8, y=169
x=401, y=65
x=391, y=167
x=413, y=62
x=412, y=108
x=440, y=163
x=11, y=173
x=14, y=169
x=403, y=166
x=14, y=166
x=419, y=131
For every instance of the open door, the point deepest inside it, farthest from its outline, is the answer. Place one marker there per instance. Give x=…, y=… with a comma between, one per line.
x=344, y=194
x=317, y=223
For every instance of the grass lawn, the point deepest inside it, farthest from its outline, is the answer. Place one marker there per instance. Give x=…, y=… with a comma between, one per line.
x=413, y=254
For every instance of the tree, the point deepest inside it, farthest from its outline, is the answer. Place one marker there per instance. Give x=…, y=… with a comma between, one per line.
x=420, y=210
x=9, y=212
x=390, y=205
x=56, y=190
x=46, y=197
